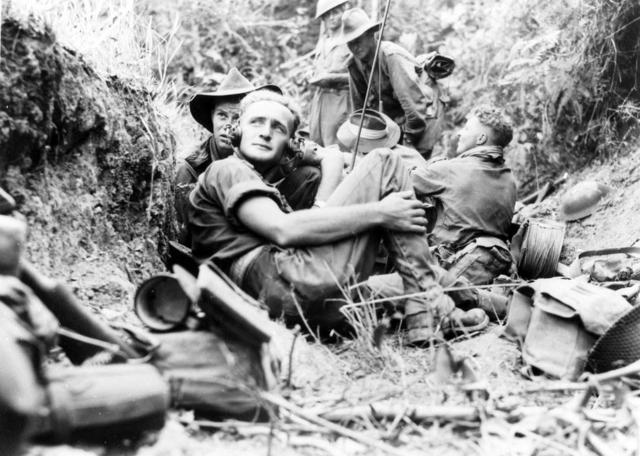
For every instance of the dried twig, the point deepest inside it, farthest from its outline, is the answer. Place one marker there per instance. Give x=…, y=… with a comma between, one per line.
x=551, y=443
x=313, y=442
x=415, y=413
x=283, y=403
x=296, y=334
x=556, y=386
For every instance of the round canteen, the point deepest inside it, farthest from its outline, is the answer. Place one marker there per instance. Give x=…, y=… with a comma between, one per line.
x=581, y=200
x=161, y=303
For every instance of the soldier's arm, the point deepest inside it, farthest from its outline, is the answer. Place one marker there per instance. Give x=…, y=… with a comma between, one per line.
x=330, y=80
x=331, y=163
x=406, y=87
x=398, y=211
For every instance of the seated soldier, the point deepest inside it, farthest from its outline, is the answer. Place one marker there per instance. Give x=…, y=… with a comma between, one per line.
x=475, y=195
x=218, y=112
x=298, y=262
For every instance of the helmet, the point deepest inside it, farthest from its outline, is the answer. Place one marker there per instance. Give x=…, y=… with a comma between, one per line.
x=327, y=5
x=581, y=200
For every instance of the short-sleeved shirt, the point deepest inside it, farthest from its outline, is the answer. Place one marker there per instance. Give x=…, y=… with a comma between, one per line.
x=216, y=232
x=475, y=195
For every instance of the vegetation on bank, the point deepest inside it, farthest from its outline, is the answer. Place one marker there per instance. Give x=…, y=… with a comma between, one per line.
x=566, y=71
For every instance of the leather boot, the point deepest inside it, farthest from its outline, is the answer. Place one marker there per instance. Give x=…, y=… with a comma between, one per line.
x=462, y=322
x=421, y=330
x=421, y=326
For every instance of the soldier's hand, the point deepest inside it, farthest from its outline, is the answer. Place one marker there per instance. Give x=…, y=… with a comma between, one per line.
x=401, y=211
x=310, y=154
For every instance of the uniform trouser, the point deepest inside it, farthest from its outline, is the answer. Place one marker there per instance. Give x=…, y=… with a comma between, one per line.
x=478, y=266
x=329, y=109
x=316, y=276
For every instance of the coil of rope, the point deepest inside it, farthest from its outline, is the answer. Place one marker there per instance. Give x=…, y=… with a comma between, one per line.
x=541, y=247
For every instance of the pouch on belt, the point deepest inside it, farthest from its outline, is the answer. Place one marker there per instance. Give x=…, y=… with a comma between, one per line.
x=559, y=320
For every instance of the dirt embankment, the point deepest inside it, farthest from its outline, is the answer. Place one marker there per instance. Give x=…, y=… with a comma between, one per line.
x=89, y=161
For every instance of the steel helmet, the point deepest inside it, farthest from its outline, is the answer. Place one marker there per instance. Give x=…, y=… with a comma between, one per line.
x=581, y=200
x=327, y=5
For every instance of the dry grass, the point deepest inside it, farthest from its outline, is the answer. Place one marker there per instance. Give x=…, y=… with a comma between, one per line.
x=107, y=33
x=117, y=38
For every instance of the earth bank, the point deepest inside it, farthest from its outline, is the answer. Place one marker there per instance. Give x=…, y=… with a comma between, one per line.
x=89, y=161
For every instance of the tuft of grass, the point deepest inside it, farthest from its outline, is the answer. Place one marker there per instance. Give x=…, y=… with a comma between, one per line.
x=107, y=33
x=117, y=37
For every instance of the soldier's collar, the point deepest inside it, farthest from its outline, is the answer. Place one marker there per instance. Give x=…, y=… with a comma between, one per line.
x=495, y=153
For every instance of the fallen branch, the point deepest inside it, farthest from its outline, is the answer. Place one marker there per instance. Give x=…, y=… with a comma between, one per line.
x=417, y=414
x=557, y=386
x=589, y=380
x=283, y=403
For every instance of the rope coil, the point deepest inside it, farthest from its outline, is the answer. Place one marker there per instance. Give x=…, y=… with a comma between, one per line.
x=541, y=247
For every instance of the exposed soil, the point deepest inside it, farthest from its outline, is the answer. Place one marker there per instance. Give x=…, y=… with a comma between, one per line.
x=87, y=158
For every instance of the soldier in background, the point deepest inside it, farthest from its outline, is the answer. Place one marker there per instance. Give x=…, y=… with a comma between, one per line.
x=330, y=103
x=396, y=85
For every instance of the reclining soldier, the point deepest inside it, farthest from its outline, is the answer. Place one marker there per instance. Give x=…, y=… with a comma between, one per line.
x=218, y=112
x=297, y=261
x=475, y=195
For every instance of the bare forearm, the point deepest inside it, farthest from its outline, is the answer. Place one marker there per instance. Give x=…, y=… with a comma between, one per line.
x=398, y=211
x=328, y=224
x=332, y=168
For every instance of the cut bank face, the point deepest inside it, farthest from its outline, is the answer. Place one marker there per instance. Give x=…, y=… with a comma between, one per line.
x=266, y=129
x=225, y=118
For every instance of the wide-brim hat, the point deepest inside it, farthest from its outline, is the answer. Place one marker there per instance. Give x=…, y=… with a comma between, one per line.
x=234, y=85
x=378, y=130
x=324, y=6
x=355, y=23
